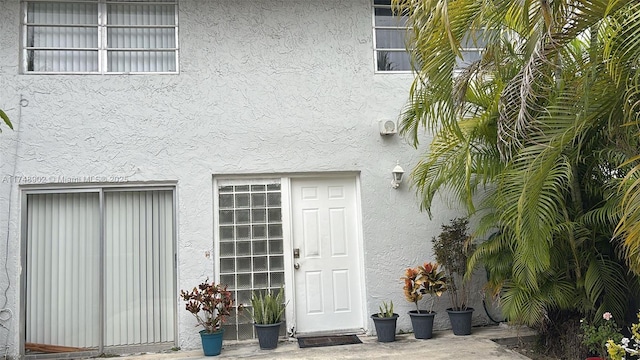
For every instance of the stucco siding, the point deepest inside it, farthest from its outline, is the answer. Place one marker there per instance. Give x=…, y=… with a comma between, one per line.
x=264, y=87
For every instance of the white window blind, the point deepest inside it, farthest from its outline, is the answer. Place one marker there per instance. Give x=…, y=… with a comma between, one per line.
x=63, y=281
x=101, y=36
x=139, y=288
x=84, y=269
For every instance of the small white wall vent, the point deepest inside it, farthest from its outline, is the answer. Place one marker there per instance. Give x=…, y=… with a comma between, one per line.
x=387, y=127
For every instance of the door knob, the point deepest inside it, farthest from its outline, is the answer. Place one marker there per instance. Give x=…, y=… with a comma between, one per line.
x=296, y=266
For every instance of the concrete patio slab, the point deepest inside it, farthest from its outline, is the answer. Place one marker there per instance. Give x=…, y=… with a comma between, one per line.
x=444, y=345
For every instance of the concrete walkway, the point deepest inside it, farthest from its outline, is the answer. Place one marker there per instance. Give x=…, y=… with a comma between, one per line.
x=444, y=345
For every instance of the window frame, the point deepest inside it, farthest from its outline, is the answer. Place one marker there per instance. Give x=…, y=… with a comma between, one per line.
x=237, y=320
x=100, y=189
x=377, y=50
x=102, y=49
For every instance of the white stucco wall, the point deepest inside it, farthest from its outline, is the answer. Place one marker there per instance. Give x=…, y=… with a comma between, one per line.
x=264, y=87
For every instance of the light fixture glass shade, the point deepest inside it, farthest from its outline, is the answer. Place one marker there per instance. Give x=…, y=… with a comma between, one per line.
x=397, y=173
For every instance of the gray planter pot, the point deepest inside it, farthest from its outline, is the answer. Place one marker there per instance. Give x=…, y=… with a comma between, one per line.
x=385, y=327
x=422, y=323
x=268, y=335
x=460, y=321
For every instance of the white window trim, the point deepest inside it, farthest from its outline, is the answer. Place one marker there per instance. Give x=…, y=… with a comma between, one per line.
x=375, y=45
x=102, y=40
x=407, y=28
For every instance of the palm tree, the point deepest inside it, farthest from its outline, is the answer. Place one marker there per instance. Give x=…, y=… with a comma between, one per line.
x=536, y=138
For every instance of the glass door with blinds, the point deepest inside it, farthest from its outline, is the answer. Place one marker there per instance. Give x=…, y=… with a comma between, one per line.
x=99, y=269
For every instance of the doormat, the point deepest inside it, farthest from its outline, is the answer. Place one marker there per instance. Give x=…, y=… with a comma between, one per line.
x=317, y=341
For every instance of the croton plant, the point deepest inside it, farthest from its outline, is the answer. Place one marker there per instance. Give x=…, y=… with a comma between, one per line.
x=421, y=280
x=210, y=303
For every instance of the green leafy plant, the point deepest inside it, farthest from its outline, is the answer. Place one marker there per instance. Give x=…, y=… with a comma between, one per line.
x=385, y=310
x=596, y=334
x=210, y=304
x=540, y=150
x=421, y=280
x=618, y=349
x=452, y=251
x=267, y=307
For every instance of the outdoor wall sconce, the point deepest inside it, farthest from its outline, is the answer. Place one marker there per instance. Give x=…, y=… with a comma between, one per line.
x=397, y=173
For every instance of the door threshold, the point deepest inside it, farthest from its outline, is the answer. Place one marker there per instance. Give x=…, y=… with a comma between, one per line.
x=330, y=333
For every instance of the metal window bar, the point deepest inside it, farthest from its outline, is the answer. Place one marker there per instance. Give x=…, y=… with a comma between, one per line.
x=52, y=58
x=388, y=59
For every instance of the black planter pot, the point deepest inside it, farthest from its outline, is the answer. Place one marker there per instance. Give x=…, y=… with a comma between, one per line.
x=385, y=327
x=268, y=335
x=422, y=323
x=460, y=321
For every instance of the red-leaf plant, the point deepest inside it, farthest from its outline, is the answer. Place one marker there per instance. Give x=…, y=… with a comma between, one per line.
x=212, y=300
x=421, y=280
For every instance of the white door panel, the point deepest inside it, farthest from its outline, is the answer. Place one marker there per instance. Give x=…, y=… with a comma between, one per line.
x=325, y=230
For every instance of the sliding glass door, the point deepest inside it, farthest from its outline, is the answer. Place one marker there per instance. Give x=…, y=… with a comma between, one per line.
x=99, y=269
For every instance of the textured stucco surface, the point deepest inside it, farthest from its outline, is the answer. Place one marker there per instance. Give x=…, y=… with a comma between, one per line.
x=264, y=87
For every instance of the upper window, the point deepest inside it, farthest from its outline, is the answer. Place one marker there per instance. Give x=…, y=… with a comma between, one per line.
x=390, y=35
x=100, y=36
x=472, y=46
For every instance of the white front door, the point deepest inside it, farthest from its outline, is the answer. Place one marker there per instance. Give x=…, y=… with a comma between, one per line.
x=328, y=295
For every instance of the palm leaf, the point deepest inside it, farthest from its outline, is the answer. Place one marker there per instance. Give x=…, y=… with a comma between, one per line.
x=6, y=120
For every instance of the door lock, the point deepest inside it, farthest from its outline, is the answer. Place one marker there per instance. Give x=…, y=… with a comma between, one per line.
x=296, y=253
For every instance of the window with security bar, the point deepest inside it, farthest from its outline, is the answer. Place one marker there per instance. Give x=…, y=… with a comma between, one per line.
x=391, y=29
x=390, y=33
x=250, y=247
x=100, y=36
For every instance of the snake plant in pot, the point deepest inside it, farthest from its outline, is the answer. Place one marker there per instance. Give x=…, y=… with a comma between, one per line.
x=385, y=322
x=267, y=311
x=210, y=304
x=420, y=281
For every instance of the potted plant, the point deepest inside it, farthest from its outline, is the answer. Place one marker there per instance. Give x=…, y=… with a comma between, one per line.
x=418, y=281
x=595, y=335
x=452, y=251
x=210, y=303
x=267, y=310
x=385, y=322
